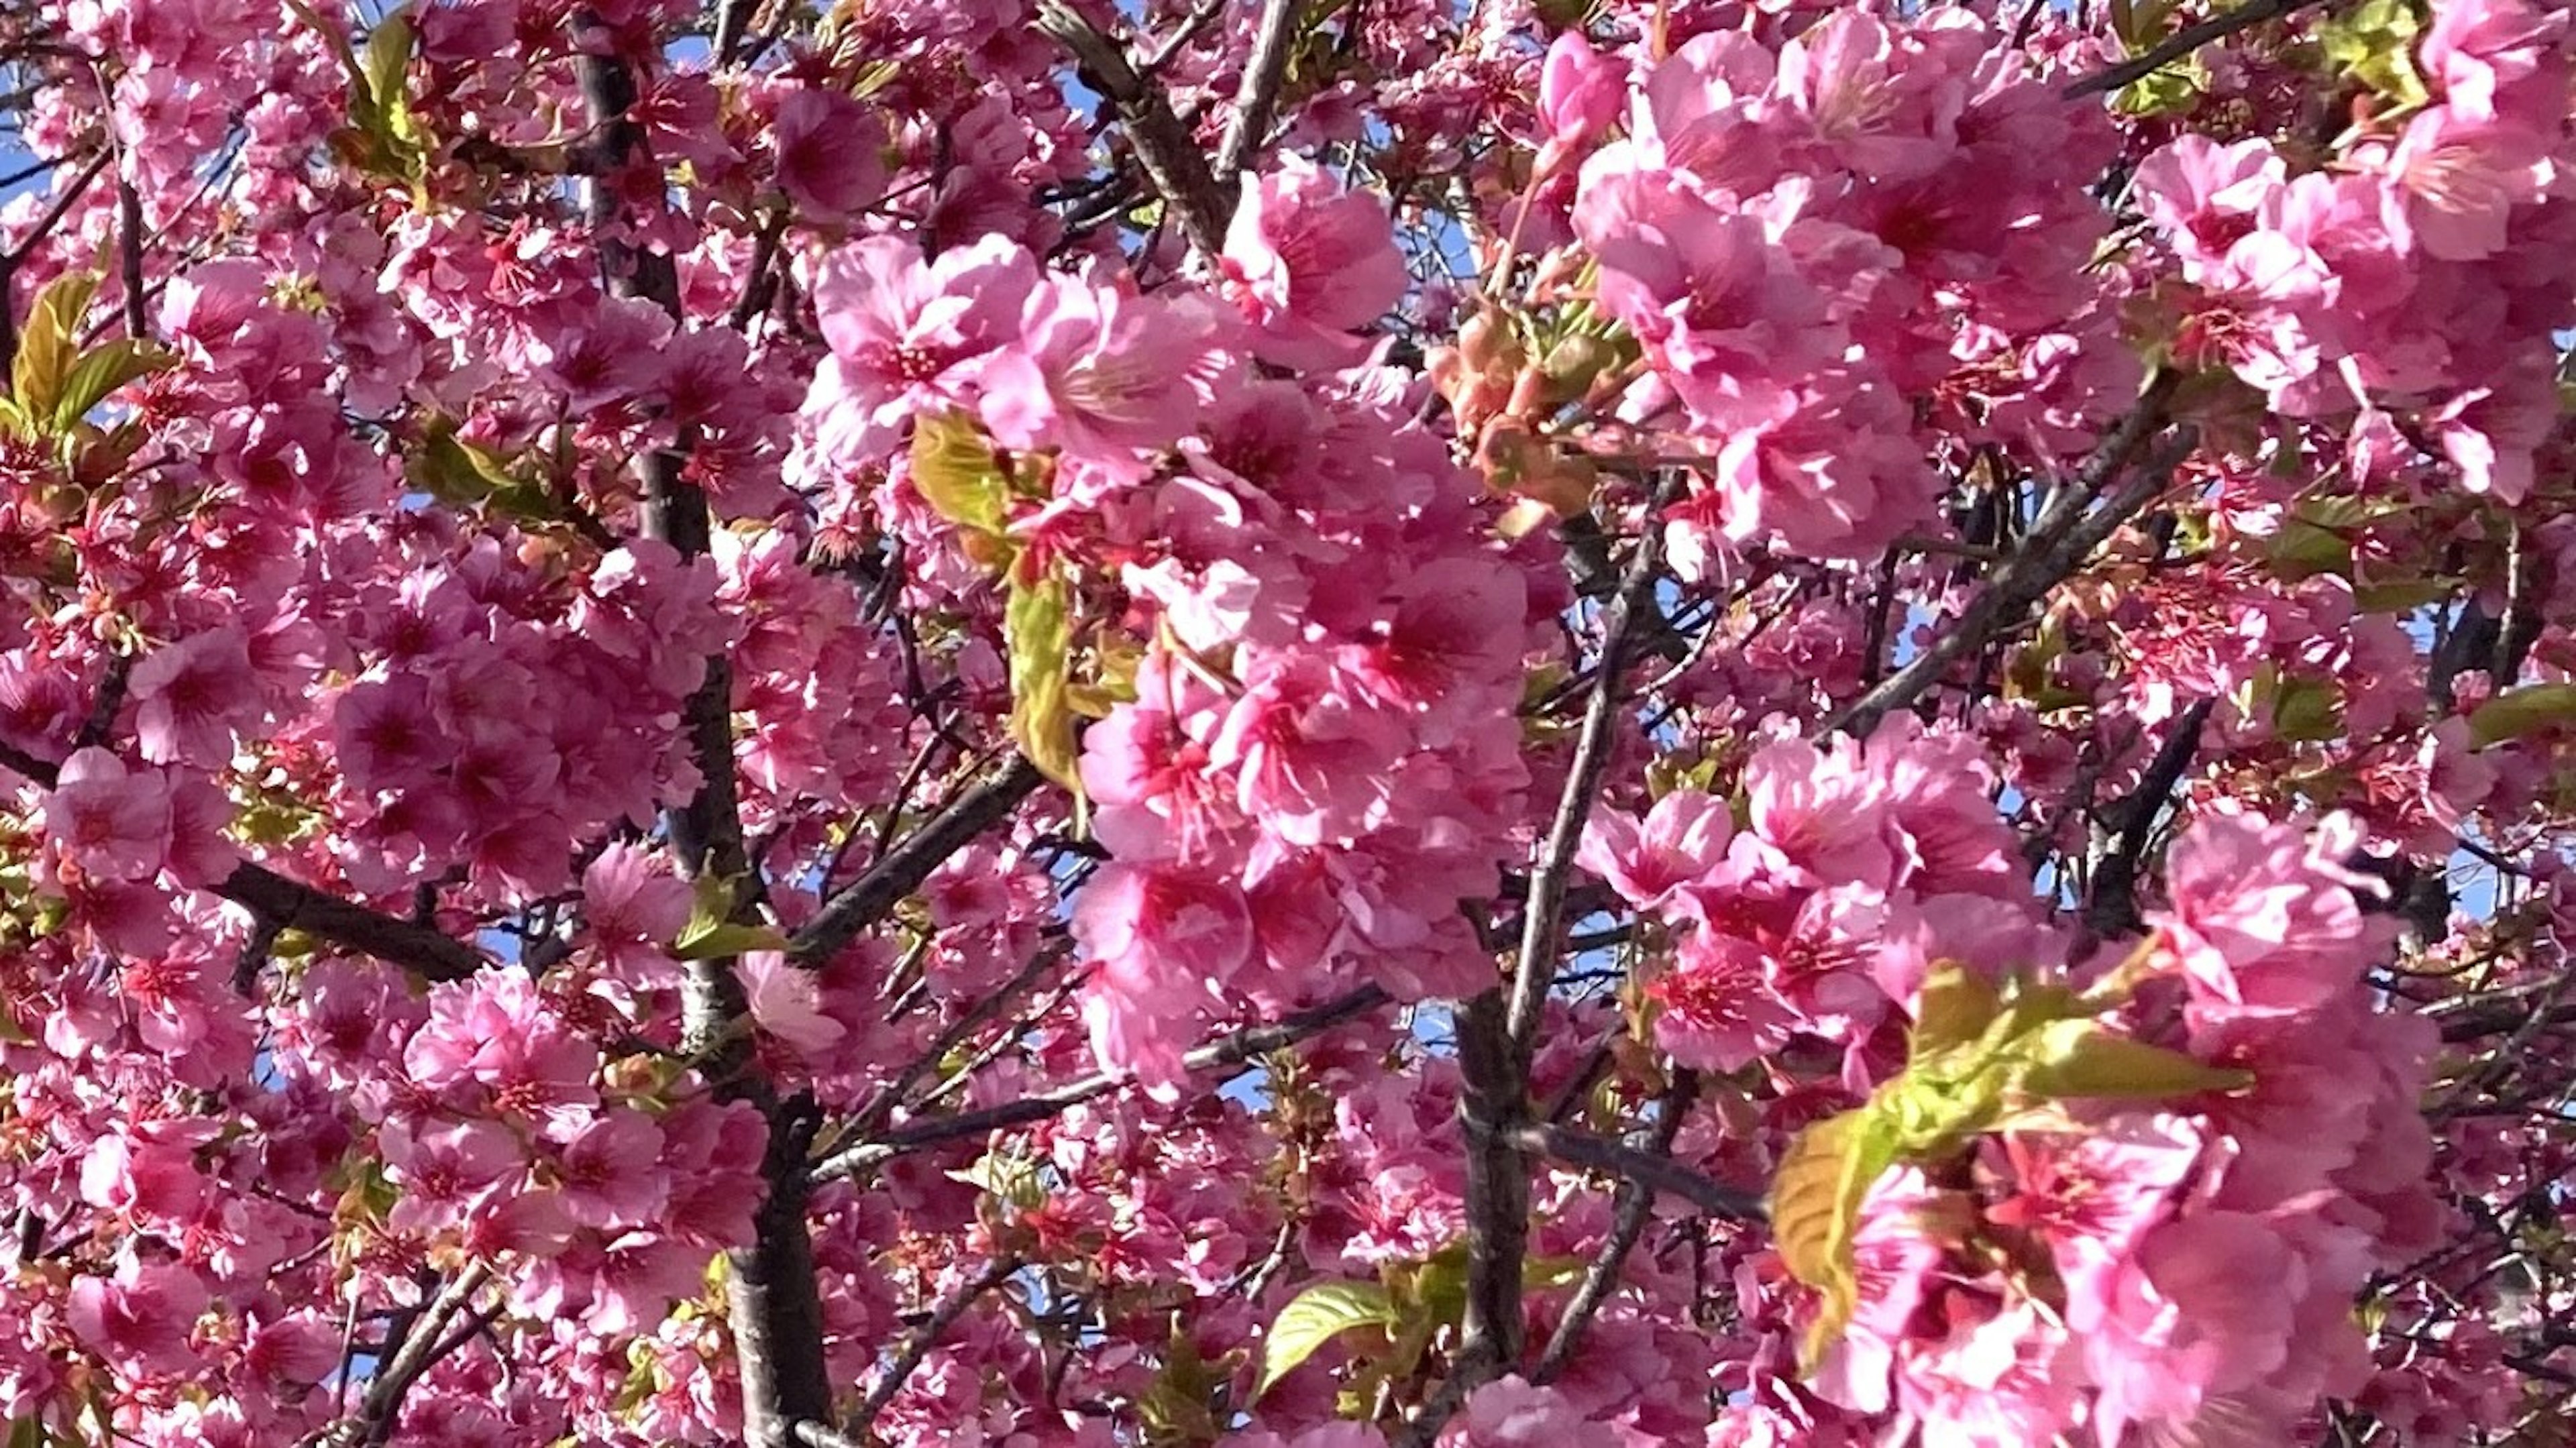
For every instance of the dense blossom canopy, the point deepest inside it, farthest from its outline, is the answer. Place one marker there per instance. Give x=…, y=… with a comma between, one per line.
x=1287, y=723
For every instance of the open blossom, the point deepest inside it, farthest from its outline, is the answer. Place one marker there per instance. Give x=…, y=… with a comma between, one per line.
x=140, y=1317
x=1681, y=841
x=2263, y=919
x=1309, y=263
x=110, y=820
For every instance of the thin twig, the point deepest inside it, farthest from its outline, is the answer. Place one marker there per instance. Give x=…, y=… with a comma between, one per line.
x=1164, y=146
x=1231, y=1049
x=900, y=871
x=2063, y=536
x=1629, y=1211
x=918, y=1346
x=2182, y=43
x=1661, y=1173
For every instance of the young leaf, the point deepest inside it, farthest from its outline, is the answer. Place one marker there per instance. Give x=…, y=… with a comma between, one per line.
x=712, y=934
x=2524, y=711
x=99, y=372
x=1954, y=1008
x=49, y=343
x=1039, y=625
x=955, y=471
x=2072, y=1059
x=388, y=64
x=1317, y=1316
x=1815, y=1208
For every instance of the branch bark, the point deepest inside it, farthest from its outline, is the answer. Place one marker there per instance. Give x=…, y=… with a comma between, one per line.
x=1231, y=1049
x=2182, y=43
x=1658, y=1173
x=1258, y=95
x=1628, y=1214
x=774, y=1310
x=1170, y=155
x=2111, y=906
x=900, y=871
x=2064, y=535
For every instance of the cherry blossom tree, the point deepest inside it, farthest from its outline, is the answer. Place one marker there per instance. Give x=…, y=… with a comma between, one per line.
x=1287, y=723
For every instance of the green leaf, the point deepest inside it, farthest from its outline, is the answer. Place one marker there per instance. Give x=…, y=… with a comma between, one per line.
x=2374, y=44
x=99, y=372
x=1318, y=1315
x=388, y=66
x=2307, y=709
x=1012, y=1179
x=723, y=942
x=1038, y=624
x=1954, y=1009
x=2079, y=1059
x=2168, y=91
x=713, y=934
x=955, y=470
x=49, y=343
x=2518, y=713
x=1815, y=1209
x=27, y=1433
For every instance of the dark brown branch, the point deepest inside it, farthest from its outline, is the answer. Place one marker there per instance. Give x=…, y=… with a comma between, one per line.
x=1540, y=946
x=2111, y=906
x=1661, y=1173
x=1171, y=156
x=900, y=871
x=2182, y=43
x=883, y=1105
x=2064, y=535
x=1231, y=1049
x=917, y=1346
x=129, y=251
x=289, y=905
x=1628, y=1214
x=773, y=1306
x=1258, y=94
x=381, y=1409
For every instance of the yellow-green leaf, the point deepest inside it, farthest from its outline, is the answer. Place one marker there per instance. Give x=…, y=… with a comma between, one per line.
x=2079, y=1059
x=99, y=372
x=712, y=933
x=957, y=473
x=1318, y=1315
x=2516, y=713
x=49, y=343
x=388, y=64
x=2307, y=709
x=1039, y=626
x=1815, y=1209
x=1953, y=1009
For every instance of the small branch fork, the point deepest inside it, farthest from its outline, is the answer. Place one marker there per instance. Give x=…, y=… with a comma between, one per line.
x=2182, y=43
x=1497, y=1031
x=2064, y=535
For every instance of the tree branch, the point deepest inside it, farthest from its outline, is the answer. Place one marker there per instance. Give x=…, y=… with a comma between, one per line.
x=1258, y=94
x=2064, y=535
x=917, y=1346
x=1170, y=155
x=773, y=1306
x=289, y=905
x=1231, y=1049
x=2111, y=907
x=900, y=871
x=1628, y=1213
x=2182, y=43
x=1660, y=1173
